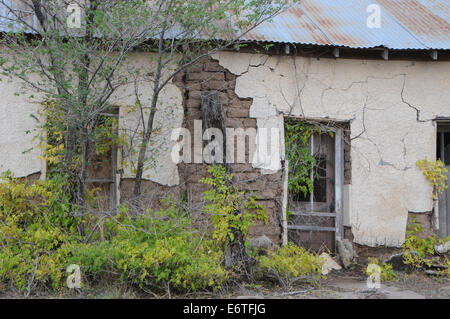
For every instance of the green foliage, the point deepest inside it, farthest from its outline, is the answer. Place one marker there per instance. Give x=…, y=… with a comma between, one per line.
x=289, y=264
x=153, y=251
x=419, y=252
x=298, y=153
x=387, y=273
x=435, y=174
x=39, y=239
x=230, y=209
x=35, y=227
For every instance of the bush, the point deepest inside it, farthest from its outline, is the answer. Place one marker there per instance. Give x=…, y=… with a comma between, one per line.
x=39, y=239
x=231, y=210
x=35, y=225
x=419, y=252
x=290, y=264
x=157, y=251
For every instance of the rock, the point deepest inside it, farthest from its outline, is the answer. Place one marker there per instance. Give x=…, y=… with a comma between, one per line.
x=262, y=242
x=442, y=249
x=396, y=260
x=329, y=264
x=345, y=252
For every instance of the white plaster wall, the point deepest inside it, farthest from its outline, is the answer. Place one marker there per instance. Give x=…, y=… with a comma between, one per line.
x=19, y=151
x=391, y=105
x=159, y=167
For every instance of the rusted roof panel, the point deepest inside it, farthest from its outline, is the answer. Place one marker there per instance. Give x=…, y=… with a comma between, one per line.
x=405, y=24
x=426, y=20
x=289, y=27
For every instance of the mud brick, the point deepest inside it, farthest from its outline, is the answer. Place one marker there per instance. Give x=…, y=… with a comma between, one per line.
x=195, y=95
x=213, y=66
x=215, y=85
x=230, y=76
x=234, y=123
x=193, y=103
x=237, y=112
x=250, y=123
x=193, y=85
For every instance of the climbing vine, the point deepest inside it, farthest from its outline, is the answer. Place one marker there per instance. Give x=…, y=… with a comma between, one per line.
x=298, y=153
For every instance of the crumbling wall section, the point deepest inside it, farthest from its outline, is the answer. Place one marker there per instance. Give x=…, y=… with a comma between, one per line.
x=210, y=76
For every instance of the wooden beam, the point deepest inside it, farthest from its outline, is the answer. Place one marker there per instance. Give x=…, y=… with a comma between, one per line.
x=339, y=182
x=314, y=214
x=284, y=201
x=311, y=228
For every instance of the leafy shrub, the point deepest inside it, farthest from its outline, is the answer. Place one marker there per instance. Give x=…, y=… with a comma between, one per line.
x=419, y=252
x=154, y=250
x=39, y=239
x=35, y=224
x=290, y=264
x=231, y=211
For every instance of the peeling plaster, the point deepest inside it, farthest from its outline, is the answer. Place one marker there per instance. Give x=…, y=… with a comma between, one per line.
x=390, y=104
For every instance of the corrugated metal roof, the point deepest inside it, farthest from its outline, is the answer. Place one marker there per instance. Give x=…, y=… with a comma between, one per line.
x=405, y=24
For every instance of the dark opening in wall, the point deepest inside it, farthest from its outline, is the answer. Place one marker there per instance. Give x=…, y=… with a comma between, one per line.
x=443, y=154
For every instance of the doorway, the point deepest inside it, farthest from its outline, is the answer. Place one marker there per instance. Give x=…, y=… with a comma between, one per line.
x=315, y=219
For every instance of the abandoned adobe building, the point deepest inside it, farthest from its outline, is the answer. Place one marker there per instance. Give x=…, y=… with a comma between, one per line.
x=384, y=92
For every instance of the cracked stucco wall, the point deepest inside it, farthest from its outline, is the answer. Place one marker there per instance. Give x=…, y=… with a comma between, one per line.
x=390, y=105
x=159, y=167
x=19, y=151
x=19, y=148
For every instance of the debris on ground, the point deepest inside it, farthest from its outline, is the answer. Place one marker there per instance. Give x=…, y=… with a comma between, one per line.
x=329, y=264
x=346, y=252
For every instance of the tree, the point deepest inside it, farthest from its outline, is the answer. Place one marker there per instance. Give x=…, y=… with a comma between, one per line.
x=189, y=31
x=74, y=69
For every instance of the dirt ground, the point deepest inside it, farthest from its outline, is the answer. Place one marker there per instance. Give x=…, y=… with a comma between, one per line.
x=352, y=285
x=344, y=284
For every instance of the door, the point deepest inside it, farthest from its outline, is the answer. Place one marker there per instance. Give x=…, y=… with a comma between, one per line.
x=316, y=220
x=443, y=153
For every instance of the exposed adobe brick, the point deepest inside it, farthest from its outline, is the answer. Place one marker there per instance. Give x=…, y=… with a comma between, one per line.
x=237, y=112
x=206, y=76
x=213, y=66
x=215, y=85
